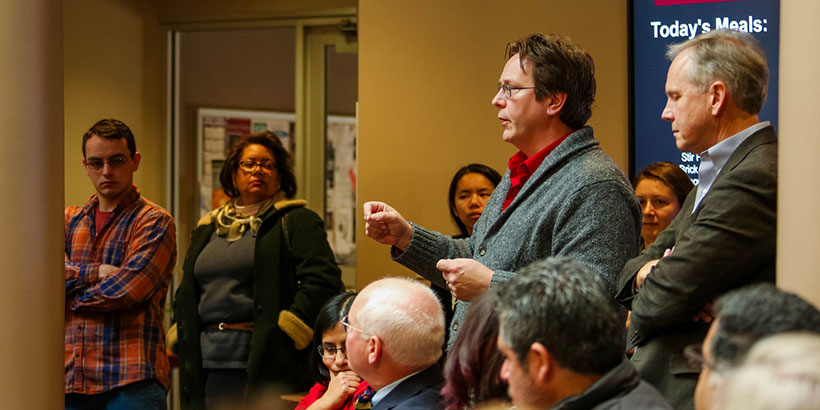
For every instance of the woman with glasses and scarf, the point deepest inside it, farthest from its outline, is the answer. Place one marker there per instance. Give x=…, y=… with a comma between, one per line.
x=256, y=274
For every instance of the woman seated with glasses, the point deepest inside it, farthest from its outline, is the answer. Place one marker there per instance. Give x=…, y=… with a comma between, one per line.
x=336, y=385
x=257, y=272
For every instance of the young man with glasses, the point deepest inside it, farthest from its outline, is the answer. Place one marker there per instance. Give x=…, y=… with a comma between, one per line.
x=119, y=256
x=562, y=195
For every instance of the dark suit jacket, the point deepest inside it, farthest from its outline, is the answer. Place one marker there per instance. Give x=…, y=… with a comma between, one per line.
x=728, y=242
x=421, y=391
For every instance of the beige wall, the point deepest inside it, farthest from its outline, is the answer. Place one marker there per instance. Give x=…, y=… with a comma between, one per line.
x=31, y=169
x=114, y=67
x=427, y=72
x=187, y=11
x=798, y=225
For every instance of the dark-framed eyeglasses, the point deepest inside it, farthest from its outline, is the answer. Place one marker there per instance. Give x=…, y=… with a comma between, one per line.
x=694, y=356
x=347, y=325
x=329, y=352
x=509, y=88
x=114, y=162
x=248, y=165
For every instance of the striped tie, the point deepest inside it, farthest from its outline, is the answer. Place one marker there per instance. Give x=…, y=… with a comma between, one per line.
x=363, y=401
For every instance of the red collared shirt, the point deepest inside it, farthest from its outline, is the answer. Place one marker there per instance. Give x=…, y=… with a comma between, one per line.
x=114, y=330
x=522, y=168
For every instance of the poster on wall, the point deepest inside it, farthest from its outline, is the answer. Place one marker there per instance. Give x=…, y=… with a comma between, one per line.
x=340, y=188
x=659, y=23
x=219, y=130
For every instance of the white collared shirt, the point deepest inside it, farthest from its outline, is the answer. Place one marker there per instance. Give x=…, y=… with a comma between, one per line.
x=384, y=391
x=713, y=159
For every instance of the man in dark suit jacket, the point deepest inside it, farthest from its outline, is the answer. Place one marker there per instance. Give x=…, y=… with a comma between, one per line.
x=395, y=331
x=724, y=236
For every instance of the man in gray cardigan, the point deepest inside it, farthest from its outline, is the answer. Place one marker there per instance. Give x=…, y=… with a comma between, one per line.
x=562, y=196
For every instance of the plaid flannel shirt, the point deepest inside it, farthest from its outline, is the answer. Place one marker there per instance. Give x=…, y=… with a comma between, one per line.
x=114, y=329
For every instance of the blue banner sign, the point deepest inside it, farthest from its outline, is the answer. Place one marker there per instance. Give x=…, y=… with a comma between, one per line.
x=659, y=23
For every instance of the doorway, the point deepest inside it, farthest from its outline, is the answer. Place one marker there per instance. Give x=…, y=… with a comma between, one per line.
x=298, y=78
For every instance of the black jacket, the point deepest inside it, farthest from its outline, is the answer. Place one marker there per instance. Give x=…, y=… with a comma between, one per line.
x=293, y=278
x=419, y=392
x=620, y=388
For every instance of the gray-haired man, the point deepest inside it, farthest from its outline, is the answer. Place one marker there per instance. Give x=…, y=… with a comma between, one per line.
x=724, y=236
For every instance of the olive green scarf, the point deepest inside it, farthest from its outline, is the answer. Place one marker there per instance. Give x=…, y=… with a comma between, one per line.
x=231, y=226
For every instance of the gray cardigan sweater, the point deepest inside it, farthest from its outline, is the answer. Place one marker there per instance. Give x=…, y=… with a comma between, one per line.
x=578, y=203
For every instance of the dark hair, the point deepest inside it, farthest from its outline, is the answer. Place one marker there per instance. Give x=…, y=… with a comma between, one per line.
x=482, y=169
x=561, y=304
x=331, y=314
x=472, y=372
x=559, y=66
x=113, y=130
x=284, y=163
x=756, y=311
x=669, y=174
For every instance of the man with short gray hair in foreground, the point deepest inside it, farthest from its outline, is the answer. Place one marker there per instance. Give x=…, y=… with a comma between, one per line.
x=561, y=338
x=395, y=330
